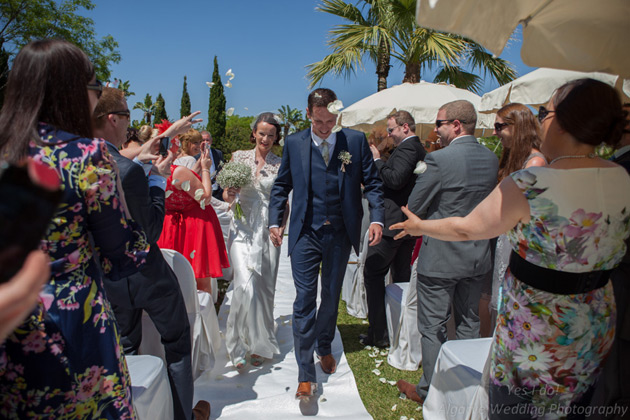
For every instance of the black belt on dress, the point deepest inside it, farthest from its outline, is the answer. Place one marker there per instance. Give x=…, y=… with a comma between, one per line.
x=554, y=281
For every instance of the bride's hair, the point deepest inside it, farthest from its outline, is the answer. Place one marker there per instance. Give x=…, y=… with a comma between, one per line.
x=269, y=118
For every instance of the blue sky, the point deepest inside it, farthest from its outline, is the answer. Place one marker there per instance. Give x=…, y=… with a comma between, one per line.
x=267, y=44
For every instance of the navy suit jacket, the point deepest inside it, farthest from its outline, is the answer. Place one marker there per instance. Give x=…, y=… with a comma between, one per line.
x=146, y=206
x=295, y=174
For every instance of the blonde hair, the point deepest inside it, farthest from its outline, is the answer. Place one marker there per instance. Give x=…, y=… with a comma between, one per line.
x=188, y=137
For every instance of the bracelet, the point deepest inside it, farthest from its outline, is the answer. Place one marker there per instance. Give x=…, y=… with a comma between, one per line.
x=206, y=170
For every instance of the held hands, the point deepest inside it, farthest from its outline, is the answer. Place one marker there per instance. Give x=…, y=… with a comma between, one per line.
x=411, y=226
x=376, y=233
x=275, y=234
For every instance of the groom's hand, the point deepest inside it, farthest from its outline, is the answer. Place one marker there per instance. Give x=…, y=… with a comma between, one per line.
x=275, y=234
x=376, y=232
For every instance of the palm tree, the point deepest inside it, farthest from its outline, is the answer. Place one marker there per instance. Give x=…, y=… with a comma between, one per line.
x=147, y=107
x=290, y=119
x=389, y=30
x=125, y=86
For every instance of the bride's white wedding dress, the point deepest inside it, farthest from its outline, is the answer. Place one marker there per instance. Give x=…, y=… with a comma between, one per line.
x=251, y=328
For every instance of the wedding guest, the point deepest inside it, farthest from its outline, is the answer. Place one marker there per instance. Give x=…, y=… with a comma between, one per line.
x=566, y=223
x=190, y=145
x=154, y=289
x=519, y=132
x=131, y=147
x=457, y=178
x=65, y=360
x=613, y=388
x=250, y=325
x=191, y=226
x=398, y=179
x=217, y=162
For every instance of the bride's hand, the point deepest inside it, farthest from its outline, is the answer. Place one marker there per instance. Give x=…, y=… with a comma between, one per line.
x=411, y=226
x=230, y=194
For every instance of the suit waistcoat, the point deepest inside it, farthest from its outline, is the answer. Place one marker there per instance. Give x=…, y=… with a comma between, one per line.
x=324, y=201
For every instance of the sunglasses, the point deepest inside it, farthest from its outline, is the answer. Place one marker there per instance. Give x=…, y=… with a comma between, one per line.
x=543, y=113
x=391, y=130
x=440, y=123
x=98, y=87
x=125, y=113
x=500, y=126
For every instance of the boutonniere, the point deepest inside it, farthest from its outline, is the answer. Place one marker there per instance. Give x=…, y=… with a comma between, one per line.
x=345, y=159
x=420, y=167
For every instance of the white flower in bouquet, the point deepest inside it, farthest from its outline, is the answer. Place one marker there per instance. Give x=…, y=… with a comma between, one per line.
x=235, y=175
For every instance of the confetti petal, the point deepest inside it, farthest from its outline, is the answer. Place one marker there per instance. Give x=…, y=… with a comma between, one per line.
x=199, y=194
x=192, y=255
x=335, y=107
x=394, y=407
x=384, y=353
x=383, y=380
x=246, y=109
x=378, y=363
x=336, y=129
x=402, y=396
x=202, y=204
x=229, y=112
x=168, y=193
x=230, y=74
x=175, y=181
x=210, y=84
x=391, y=382
x=228, y=84
x=421, y=166
x=186, y=185
x=376, y=372
x=404, y=418
x=364, y=322
x=322, y=399
x=368, y=347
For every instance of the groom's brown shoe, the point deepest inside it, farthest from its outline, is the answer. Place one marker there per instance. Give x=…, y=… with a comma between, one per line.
x=410, y=391
x=304, y=391
x=202, y=410
x=329, y=365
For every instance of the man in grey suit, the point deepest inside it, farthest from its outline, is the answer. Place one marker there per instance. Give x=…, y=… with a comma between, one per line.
x=457, y=178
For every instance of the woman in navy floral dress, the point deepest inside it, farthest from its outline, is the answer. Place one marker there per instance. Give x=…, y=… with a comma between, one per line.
x=65, y=360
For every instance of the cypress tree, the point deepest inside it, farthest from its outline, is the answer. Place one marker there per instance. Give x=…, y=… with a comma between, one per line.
x=216, y=108
x=184, y=109
x=160, y=110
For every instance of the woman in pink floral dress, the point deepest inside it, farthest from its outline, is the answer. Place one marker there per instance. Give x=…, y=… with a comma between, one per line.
x=567, y=224
x=65, y=360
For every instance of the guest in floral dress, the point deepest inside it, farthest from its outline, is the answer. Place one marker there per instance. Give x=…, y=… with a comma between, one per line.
x=65, y=361
x=567, y=223
x=251, y=328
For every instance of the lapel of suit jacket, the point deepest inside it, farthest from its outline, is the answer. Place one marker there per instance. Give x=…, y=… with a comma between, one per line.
x=305, y=149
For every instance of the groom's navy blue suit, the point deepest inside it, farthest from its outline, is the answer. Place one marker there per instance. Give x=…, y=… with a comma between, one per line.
x=325, y=224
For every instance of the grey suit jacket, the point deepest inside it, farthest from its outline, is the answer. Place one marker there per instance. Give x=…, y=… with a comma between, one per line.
x=458, y=177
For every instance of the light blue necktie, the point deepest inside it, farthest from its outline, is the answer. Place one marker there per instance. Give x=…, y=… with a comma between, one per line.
x=325, y=153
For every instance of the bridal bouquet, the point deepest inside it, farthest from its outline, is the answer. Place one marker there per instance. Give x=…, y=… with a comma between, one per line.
x=235, y=175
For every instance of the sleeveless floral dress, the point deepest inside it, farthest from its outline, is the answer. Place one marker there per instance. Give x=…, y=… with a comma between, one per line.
x=550, y=347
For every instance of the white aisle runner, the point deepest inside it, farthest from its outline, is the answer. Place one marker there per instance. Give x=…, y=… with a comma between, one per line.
x=268, y=391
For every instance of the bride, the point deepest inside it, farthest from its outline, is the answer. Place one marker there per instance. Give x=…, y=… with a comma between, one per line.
x=250, y=325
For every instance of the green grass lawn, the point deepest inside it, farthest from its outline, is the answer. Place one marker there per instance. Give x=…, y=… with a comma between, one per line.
x=378, y=397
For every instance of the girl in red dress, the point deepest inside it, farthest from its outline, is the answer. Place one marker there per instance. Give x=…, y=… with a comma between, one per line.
x=191, y=226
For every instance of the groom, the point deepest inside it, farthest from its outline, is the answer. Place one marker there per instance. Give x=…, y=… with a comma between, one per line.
x=325, y=170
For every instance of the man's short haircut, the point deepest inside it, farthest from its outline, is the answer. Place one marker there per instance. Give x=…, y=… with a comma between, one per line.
x=464, y=112
x=403, y=117
x=205, y=132
x=320, y=97
x=111, y=100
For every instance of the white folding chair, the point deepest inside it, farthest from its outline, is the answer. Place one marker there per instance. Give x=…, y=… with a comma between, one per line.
x=204, y=325
x=401, y=308
x=150, y=388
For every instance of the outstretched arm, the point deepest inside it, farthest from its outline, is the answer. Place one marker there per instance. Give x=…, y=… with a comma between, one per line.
x=496, y=214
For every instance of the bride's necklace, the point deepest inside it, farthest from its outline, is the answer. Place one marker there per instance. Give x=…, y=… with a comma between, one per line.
x=590, y=156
